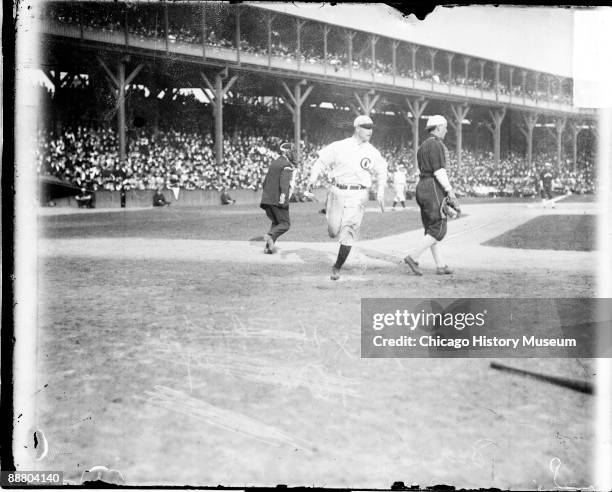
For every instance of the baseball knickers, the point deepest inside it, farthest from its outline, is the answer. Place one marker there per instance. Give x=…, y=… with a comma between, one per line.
x=344, y=213
x=429, y=196
x=400, y=194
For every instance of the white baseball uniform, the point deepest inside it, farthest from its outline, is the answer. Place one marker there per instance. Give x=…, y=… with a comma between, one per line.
x=399, y=185
x=351, y=164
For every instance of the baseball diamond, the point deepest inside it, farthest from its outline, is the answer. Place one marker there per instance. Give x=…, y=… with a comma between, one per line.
x=300, y=160
x=171, y=343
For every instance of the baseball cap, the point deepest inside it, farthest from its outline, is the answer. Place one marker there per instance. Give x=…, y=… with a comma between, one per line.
x=435, y=120
x=287, y=147
x=362, y=120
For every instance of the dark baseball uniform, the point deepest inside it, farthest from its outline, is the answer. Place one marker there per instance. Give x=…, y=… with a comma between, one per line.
x=277, y=182
x=84, y=199
x=546, y=178
x=159, y=200
x=431, y=156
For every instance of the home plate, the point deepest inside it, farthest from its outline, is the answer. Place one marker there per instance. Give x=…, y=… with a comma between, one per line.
x=350, y=278
x=388, y=209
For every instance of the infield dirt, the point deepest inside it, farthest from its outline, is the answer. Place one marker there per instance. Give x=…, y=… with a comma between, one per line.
x=202, y=361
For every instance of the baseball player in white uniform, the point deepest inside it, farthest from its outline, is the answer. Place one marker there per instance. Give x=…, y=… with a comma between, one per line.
x=352, y=162
x=399, y=185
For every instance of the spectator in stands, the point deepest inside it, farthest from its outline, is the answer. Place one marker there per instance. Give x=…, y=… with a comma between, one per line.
x=91, y=155
x=144, y=23
x=181, y=155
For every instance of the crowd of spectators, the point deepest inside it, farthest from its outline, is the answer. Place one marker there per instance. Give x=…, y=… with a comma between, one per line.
x=514, y=177
x=146, y=22
x=88, y=157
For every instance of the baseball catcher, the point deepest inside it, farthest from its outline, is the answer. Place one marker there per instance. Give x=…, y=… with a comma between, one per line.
x=434, y=195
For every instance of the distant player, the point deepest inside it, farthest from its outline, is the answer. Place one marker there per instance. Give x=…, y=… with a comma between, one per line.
x=174, y=183
x=226, y=199
x=546, y=179
x=433, y=186
x=352, y=162
x=159, y=200
x=85, y=199
x=399, y=186
x=276, y=195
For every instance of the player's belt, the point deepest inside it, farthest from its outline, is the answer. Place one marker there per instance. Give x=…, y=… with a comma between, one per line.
x=426, y=175
x=349, y=187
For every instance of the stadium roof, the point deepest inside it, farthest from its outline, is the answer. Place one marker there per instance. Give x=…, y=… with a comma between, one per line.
x=534, y=38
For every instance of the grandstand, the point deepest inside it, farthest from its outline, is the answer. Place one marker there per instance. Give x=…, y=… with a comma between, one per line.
x=124, y=105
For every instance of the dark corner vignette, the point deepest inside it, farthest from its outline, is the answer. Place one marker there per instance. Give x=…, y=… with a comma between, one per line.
x=8, y=209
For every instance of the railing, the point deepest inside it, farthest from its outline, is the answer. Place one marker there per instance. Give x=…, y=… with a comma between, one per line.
x=305, y=67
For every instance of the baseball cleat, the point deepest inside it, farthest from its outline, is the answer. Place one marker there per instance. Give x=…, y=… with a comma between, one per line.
x=414, y=266
x=444, y=270
x=335, y=274
x=269, y=248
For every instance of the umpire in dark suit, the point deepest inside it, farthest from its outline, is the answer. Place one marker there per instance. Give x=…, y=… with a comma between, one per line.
x=276, y=194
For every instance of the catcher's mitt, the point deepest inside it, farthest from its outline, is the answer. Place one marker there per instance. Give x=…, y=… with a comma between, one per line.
x=450, y=208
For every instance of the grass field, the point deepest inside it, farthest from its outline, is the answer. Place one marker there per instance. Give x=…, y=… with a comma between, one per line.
x=230, y=371
x=219, y=223
x=556, y=232
x=580, y=199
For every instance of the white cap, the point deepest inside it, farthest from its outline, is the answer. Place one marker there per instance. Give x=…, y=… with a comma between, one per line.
x=362, y=120
x=435, y=120
x=287, y=147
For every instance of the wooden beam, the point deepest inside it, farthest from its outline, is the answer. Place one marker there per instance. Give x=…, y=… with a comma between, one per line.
x=129, y=78
x=110, y=74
